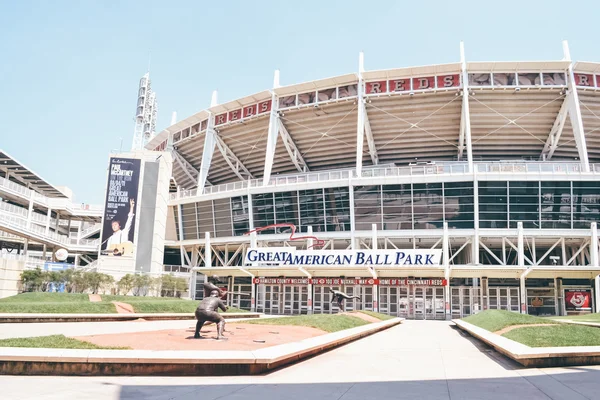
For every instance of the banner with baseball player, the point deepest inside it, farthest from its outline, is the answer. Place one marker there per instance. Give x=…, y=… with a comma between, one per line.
x=118, y=225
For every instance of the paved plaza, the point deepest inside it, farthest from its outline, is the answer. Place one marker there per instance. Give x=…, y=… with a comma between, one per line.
x=415, y=360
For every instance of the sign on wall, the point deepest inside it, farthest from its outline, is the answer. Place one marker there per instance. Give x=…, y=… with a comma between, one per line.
x=118, y=225
x=289, y=256
x=578, y=300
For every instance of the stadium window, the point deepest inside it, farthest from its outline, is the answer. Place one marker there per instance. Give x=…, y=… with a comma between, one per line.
x=556, y=205
x=493, y=204
x=586, y=204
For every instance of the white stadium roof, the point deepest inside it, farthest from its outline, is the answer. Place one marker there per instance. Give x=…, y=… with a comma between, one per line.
x=513, y=110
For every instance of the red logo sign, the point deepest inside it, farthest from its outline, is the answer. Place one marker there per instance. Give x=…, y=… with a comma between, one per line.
x=578, y=299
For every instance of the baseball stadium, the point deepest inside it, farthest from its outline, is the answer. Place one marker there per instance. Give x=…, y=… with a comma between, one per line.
x=487, y=169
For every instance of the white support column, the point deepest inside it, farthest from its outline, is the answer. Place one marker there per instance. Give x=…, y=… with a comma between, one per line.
x=48, y=217
x=352, y=219
x=373, y=272
x=30, y=214
x=310, y=241
x=182, y=256
x=521, y=263
x=207, y=250
x=446, y=263
x=466, y=120
x=575, y=113
x=594, y=260
x=210, y=143
x=250, y=211
x=180, y=221
x=273, y=132
x=253, y=245
x=475, y=245
x=360, y=123
x=25, y=246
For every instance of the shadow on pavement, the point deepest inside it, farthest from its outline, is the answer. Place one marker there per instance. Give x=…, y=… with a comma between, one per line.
x=575, y=385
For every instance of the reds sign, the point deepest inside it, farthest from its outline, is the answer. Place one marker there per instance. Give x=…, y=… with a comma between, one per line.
x=576, y=300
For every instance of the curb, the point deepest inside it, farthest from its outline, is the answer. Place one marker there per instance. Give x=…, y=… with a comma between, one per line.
x=534, y=356
x=31, y=318
x=31, y=361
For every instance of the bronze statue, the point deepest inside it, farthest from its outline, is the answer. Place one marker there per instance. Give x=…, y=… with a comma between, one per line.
x=207, y=311
x=340, y=296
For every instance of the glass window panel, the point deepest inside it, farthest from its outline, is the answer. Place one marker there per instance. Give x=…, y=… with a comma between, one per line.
x=501, y=79
x=222, y=209
x=480, y=79
x=458, y=204
x=554, y=78
x=529, y=79
x=311, y=210
x=286, y=209
x=493, y=204
x=397, y=207
x=306, y=98
x=586, y=204
x=524, y=204
x=241, y=221
x=367, y=207
x=428, y=205
x=264, y=211
x=347, y=91
x=556, y=205
x=205, y=218
x=287, y=101
x=327, y=94
x=337, y=209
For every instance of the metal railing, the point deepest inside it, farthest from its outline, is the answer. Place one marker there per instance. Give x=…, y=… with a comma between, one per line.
x=22, y=191
x=93, y=228
x=446, y=168
x=19, y=222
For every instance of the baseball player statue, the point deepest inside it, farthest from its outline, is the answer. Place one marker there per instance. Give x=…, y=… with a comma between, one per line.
x=207, y=310
x=340, y=296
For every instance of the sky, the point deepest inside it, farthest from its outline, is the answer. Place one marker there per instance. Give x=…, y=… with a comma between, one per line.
x=69, y=70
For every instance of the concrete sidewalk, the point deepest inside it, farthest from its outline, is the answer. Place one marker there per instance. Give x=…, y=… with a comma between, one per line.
x=416, y=360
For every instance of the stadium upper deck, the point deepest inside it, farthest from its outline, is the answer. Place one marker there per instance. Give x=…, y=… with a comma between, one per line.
x=466, y=111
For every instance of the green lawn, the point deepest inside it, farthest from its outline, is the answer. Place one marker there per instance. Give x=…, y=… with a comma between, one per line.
x=36, y=297
x=556, y=335
x=53, y=342
x=76, y=303
x=595, y=317
x=377, y=315
x=494, y=320
x=57, y=308
x=325, y=322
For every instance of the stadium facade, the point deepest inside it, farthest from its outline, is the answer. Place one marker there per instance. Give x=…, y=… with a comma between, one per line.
x=493, y=163
x=487, y=169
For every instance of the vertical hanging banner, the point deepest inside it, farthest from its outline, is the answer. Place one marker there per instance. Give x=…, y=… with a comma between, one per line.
x=119, y=218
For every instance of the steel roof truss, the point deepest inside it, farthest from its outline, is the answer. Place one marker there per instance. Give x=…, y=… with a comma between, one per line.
x=236, y=165
x=292, y=149
x=369, y=134
x=557, y=128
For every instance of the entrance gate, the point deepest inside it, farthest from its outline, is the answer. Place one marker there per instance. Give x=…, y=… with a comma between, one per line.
x=503, y=298
x=465, y=300
x=268, y=299
x=295, y=299
x=418, y=302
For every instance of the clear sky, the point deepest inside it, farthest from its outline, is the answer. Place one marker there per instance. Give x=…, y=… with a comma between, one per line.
x=69, y=70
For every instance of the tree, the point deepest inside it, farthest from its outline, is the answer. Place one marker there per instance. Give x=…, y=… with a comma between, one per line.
x=126, y=283
x=32, y=279
x=141, y=284
x=173, y=286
